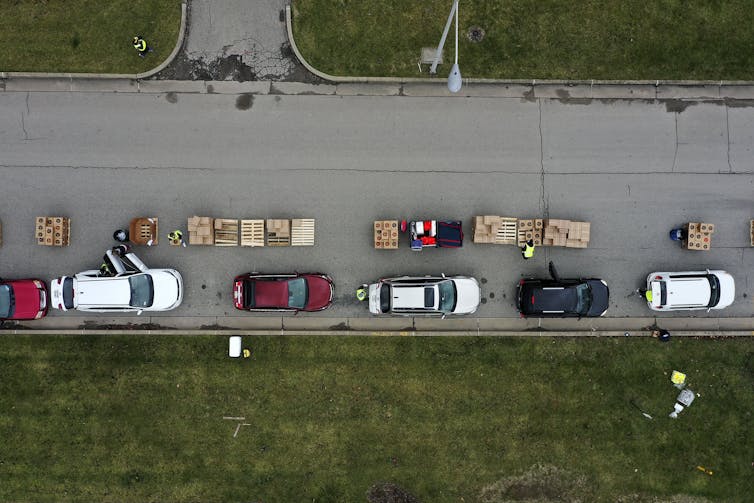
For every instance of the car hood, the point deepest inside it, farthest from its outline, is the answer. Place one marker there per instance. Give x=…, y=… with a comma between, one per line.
x=320, y=292
x=468, y=295
x=27, y=298
x=727, y=289
x=600, y=297
x=168, y=289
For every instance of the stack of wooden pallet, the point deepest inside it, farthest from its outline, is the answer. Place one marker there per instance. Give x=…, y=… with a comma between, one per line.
x=529, y=229
x=566, y=233
x=699, y=236
x=386, y=234
x=278, y=232
x=252, y=232
x=302, y=232
x=494, y=229
x=53, y=231
x=226, y=232
x=200, y=231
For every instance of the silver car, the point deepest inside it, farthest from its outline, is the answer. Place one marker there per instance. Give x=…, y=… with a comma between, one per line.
x=425, y=296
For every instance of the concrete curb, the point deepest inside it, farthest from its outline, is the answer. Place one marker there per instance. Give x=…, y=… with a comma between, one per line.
x=374, y=333
x=110, y=76
x=562, y=89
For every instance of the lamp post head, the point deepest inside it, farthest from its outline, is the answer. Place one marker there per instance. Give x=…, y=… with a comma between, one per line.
x=454, y=79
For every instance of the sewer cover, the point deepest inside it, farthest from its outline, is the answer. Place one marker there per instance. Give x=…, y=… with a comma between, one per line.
x=475, y=33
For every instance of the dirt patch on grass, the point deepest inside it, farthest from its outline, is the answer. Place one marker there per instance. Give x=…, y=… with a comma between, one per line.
x=386, y=492
x=541, y=484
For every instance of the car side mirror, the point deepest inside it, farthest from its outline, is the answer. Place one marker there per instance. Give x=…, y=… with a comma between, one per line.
x=139, y=312
x=443, y=317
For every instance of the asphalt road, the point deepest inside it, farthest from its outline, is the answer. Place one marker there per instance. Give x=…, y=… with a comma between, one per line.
x=635, y=169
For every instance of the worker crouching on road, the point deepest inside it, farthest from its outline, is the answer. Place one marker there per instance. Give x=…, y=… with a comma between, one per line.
x=527, y=251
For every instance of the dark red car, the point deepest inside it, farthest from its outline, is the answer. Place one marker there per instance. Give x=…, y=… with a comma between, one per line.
x=282, y=292
x=22, y=299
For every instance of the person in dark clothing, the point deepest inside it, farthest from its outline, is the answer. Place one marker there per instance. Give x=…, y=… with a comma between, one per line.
x=661, y=334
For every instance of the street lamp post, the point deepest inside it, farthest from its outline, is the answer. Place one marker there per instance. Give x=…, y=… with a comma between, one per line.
x=454, y=79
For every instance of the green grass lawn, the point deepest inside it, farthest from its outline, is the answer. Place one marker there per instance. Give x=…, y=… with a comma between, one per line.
x=135, y=418
x=525, y=39
x=92, y=36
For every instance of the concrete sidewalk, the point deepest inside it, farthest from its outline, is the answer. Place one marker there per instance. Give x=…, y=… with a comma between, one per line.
x=398, y=326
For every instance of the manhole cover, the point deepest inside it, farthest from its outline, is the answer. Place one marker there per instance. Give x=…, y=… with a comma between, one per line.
x=475, y=33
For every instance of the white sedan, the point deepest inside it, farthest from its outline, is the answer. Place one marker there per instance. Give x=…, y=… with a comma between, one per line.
x=128, y=286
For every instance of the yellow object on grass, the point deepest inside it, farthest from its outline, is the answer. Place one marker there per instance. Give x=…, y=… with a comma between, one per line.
x=677, y=377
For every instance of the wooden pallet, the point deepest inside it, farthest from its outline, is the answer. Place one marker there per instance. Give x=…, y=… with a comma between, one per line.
x=278, y=232
x=506, y=233
x=252, y=232
x=226, y=232
x=302, y=232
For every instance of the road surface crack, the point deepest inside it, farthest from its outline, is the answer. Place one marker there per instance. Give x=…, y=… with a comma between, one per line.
x=675, y=154
x=543, y=206
x=727, y=133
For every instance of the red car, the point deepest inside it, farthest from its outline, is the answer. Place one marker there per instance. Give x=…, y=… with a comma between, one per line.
x=22, y=299
x=282, y=292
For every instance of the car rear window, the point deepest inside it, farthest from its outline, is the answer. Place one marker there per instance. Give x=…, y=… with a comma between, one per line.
x=385, y=298
x=68, y=293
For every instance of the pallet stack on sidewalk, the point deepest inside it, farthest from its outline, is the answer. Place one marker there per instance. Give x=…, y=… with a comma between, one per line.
x=53, y=231
x=302, y=232
x=278, y=232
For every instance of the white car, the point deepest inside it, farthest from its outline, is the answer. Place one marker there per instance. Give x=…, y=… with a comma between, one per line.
x=127, y=286
x=690, y=290
x=427, y=296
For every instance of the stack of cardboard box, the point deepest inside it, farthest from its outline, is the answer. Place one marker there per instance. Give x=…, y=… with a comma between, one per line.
x=278, y=232
x=200, y=231
x=566, y=233
x=699, y=236
x=494, y=229
x=386, y=234
x=53, y=231
x=530, y=229
x=751, y=226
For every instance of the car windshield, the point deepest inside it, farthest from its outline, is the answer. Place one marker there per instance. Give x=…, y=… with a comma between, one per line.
x=142, y=290
x=297, y=293
x=447, y=296
x=6, y=301
x=714, y=287
x=583, y=298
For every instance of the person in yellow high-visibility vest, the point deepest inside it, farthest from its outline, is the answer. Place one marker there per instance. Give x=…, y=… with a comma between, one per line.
x=141, y=45
x=527, y=251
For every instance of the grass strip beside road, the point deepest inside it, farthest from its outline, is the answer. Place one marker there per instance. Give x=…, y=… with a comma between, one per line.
x=525, y=39
x=140, y=418
x=85, y=36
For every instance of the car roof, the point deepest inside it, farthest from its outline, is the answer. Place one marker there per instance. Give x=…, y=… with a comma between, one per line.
x=103, y=291
x=684, y=291
x=414, y=297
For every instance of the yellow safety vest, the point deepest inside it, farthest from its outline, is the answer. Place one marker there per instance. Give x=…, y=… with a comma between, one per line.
x=528, y=251
x=140, y=45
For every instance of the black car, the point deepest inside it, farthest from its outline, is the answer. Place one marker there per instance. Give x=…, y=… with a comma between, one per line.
x=562, y=297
